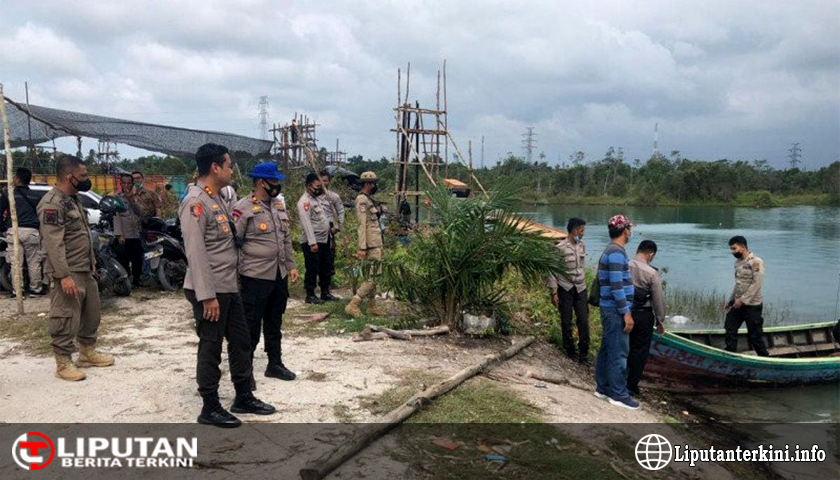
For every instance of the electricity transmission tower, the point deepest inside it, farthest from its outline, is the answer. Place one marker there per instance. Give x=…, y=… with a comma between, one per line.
x=795, y=155
x=529, y=143
x=263, y=117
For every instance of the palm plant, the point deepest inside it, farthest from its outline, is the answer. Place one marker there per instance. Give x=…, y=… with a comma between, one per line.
x=458, y=263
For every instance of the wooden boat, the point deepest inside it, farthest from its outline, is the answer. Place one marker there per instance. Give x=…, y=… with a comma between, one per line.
x=694, y=360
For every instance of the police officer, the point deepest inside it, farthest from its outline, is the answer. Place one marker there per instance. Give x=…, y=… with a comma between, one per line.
x=315, y=241
x=211, y=287
x=26, y=203
x=266, y=264
x=74, y=296
x=370, y=245
x=648, y=311
x=745, y=303
x=127, y=230
x=568, y=292
x=331, y=201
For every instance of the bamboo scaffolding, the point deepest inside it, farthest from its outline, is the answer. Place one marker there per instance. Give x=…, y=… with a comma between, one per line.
x=17, y=262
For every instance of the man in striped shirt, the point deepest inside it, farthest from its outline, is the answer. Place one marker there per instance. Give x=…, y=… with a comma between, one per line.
x=616, y=289
x=568, y=292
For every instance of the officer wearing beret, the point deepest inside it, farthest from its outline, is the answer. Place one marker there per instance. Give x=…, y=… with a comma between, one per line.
x=370, y=244
x=211, y=287
x=266, y=264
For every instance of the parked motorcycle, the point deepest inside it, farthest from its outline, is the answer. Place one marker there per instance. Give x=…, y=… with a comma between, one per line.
x=111, y=274
x=164, y=252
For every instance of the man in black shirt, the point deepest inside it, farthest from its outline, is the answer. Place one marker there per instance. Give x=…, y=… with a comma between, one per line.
x=26, y=202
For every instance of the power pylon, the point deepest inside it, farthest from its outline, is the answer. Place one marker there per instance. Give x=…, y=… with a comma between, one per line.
x=529, y=143
x=263, y=117
x=795, y=155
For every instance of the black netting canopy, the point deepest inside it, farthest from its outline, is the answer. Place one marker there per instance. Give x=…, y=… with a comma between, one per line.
x=51, y=123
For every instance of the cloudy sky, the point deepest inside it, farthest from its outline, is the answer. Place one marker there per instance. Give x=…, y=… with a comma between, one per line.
x=724, y=79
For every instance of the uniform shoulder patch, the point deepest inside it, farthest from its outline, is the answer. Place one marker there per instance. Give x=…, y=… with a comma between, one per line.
x=236, y=214
x=363, y=207
x=196, y=210
x=306, y=206
x=51, y=216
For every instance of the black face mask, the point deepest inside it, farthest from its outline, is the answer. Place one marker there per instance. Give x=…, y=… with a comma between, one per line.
x=318, y=192
x=374, y=189
x=273, y=190
x=81, y=186
x=738, y=255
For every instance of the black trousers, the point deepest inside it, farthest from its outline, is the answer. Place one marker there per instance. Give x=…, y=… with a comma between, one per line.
x=640, y=337
x=130, y=255
x=572, y=301
x=319, y=268
x=265, y=302
x=231, y=326
x=751, y=315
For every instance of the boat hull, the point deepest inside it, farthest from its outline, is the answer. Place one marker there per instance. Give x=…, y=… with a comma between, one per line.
x=680, y=364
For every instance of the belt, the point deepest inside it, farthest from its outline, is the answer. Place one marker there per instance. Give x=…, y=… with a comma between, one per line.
x=642, y=309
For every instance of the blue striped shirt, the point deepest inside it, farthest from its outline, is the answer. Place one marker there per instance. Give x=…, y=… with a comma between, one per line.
x=614, y=281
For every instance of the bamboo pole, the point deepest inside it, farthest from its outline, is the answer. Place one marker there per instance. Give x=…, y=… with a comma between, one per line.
x=364, y=436
x=422, y=164
x=17, y=264
x=458, y=154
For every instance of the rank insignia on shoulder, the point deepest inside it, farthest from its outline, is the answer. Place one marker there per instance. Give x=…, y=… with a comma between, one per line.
x=215, y=206
x=196, y=210
x=51, y=216
x=305, y=206
x=208, y=190
x=236, y=214
x=263, y=227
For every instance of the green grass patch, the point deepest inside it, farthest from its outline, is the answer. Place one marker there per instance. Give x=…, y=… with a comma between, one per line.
x=410, y=382
x=479, y=400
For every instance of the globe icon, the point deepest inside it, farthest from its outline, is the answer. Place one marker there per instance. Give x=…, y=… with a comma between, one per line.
x=653, y=452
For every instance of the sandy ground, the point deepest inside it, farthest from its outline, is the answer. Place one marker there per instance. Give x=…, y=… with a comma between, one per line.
x=153, y=380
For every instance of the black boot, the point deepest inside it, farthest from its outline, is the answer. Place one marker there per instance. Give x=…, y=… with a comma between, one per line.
x=253, y=383
x=248, y=403
x=276, y=369
x=327, y=296
x=214, y=414
x=311, y=298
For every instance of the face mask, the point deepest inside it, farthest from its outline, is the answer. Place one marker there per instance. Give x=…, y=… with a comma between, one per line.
x=273, y=190
x=81, y=186
x=374, y=189
x=318, y=192
x=578, y=238
x=138, y=186
x=738, y=255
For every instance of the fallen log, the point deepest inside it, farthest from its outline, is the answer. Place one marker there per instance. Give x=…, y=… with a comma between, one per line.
x=364, y=436
x=399, y=334
x=422, y=333
x=555, y=379
x=367, y=335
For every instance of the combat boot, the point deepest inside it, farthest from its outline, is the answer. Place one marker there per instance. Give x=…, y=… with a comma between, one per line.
x=276, y=369
x=352, y=308
x=89, y=357
x=66, y=370
x=376, y=309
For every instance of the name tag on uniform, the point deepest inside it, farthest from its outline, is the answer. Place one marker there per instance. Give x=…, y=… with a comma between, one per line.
x=256, y=208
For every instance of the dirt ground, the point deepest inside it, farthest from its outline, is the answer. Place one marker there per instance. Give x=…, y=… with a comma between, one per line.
x=153, y=380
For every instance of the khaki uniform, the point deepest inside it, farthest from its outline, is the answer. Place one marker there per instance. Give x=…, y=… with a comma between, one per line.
x=313, y=220
x=370, y=237
x=208, y=239
x=147, y=202
x=65, y=235
x=208, y=234
x=575, y=257
x=127, y=223
x=749, y=275
x=267, y=238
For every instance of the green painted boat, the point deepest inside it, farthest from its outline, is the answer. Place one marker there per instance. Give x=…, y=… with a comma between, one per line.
x=695, y=359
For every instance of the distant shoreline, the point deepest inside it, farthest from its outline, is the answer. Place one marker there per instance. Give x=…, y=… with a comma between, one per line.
x=750, y=199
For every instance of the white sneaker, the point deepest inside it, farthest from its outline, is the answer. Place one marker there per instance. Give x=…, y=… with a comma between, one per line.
x=599, y=395
x=627, y=403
